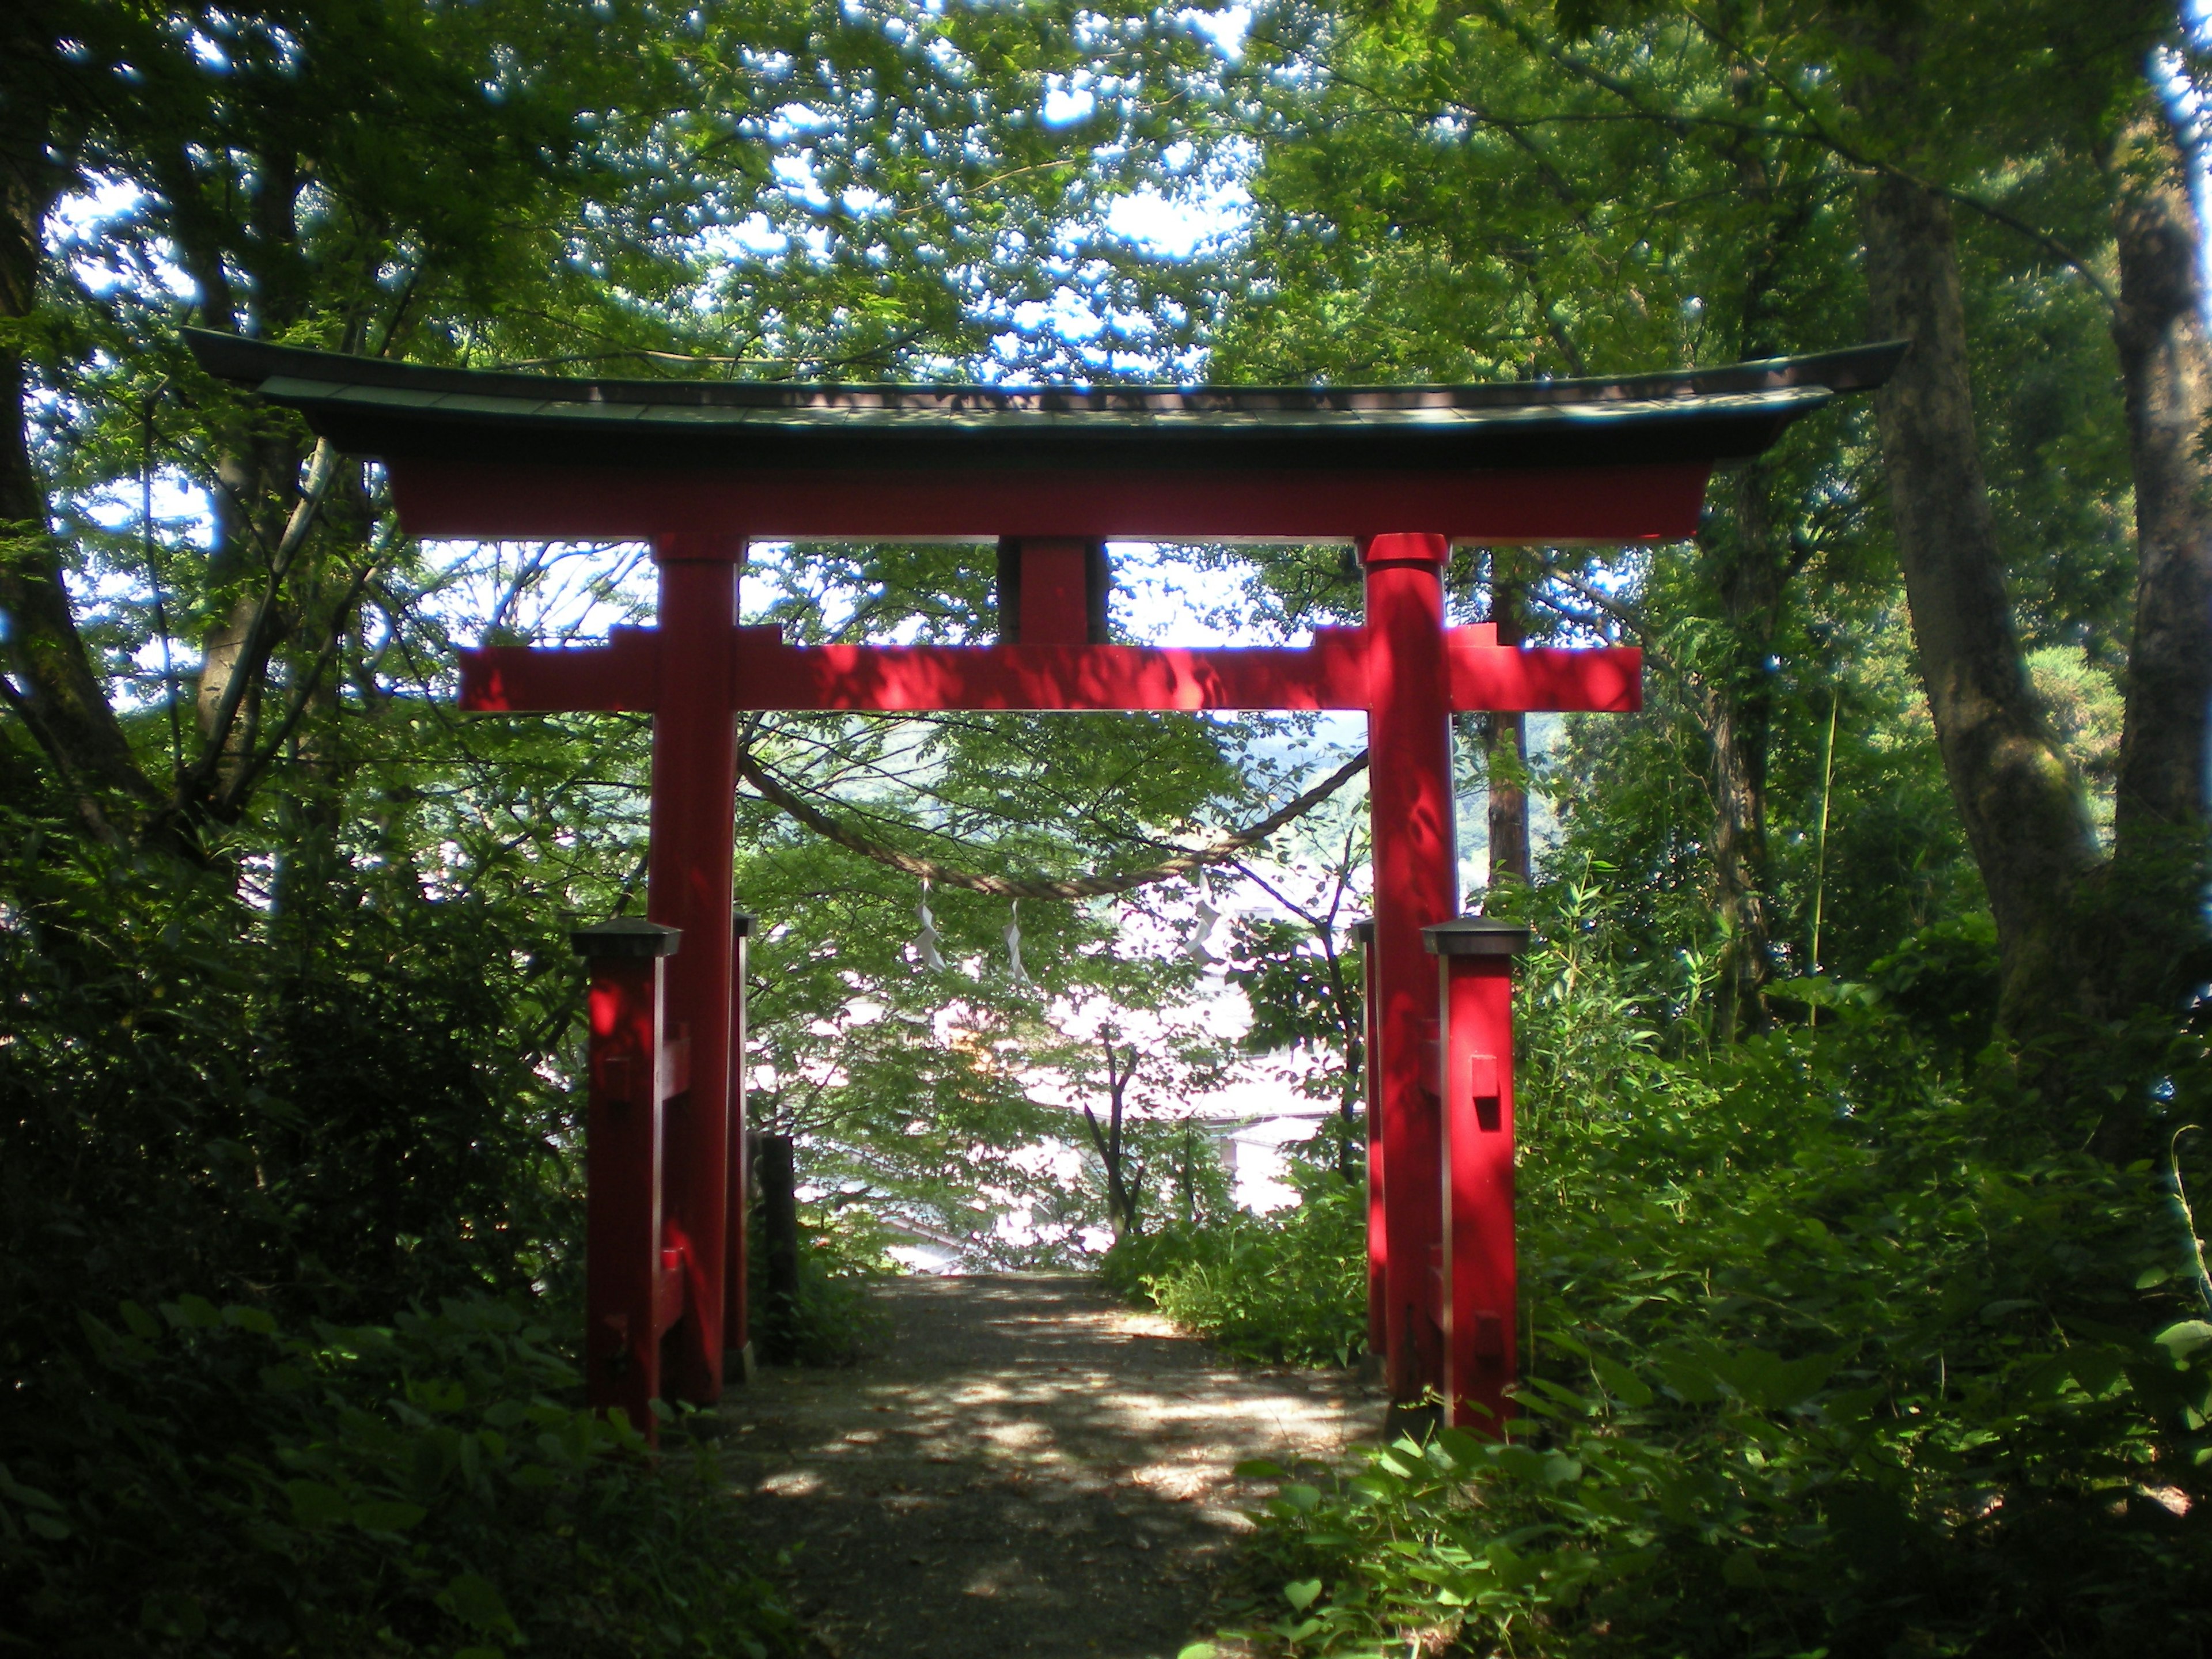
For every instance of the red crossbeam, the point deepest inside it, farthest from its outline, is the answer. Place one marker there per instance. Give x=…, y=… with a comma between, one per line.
x=1330, y=673
x=463, y=494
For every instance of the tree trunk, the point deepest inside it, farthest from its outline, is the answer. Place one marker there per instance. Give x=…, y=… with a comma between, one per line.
x=1121, y=1188
x=55, y=689
x=1351, y=1012
x=1749, y=575
x=2023, y=809
x=2150, y=920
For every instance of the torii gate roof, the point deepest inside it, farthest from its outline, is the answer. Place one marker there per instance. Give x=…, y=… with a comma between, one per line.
x=483, y=453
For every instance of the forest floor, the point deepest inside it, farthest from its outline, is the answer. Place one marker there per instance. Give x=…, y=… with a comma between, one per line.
x=1025, y=1467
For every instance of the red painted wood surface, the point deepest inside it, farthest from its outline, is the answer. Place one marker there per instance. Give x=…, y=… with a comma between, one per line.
x=688, y=886
x=1416, y=883
x=1055, y=606
x=1333, y=673
x=623, y=1187
x=737, y=1308
x=460, y=495
x=1481, y=1286
x=1378, y=1300
x=697, y=669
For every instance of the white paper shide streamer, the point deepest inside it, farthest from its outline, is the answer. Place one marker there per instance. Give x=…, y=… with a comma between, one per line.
x=1201, y=928
x=1013, y=937
x=926, y=941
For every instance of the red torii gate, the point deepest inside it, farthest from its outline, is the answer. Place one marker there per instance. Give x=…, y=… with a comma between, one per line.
x=700, y=469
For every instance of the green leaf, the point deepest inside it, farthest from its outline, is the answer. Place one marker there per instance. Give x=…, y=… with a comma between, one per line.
x=315, y=1504
x=255, y=1320
x=1620, y=1382
x=475, y=1600
x=194, y=1310
x=2096, y=1368
x=141, y=1323
x=29, y=1497
x=1300, y=1592
x=1465, y=1452
x=1196, y=1650
x=387, y=1516
x=2184, y=1338
x=1258, y=1468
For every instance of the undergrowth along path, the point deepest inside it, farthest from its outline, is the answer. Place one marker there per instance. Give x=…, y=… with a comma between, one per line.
x=1027, y=1468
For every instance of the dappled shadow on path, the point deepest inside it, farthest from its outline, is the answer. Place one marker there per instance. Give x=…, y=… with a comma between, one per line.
x=1028, y=1469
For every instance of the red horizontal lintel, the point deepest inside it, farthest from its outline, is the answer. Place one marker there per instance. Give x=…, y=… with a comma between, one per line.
x=461, y=494
x=518, y=678
x=1330, y=673
x=1522, y=679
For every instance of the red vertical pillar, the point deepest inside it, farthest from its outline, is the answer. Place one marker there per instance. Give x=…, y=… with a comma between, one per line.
x=737, y=1321
x=623, y=1164
x=1481, y=1285
x=1378, y=1331
x=687, y=887
x=1409, y=786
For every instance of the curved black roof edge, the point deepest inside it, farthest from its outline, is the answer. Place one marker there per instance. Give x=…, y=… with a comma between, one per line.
x=254, y=362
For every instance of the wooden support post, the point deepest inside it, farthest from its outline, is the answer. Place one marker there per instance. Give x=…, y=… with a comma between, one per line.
x=778, y=1195
x=624, y=1293
x=1053, y=591
x=1474, y=970
x=1416, y=883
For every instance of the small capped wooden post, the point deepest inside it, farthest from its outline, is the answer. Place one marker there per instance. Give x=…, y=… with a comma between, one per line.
x=1481, y=1287
x=627, y=1302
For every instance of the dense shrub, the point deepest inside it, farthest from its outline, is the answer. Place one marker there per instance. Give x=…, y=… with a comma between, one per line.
x=242, y=1152
x=1836, y=1345
x=217, y=1486
x=1807, y=1376
x=1293, y=1288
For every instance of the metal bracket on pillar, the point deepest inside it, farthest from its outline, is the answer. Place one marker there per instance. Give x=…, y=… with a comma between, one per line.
x=632, y=1292
x=1474, y=1082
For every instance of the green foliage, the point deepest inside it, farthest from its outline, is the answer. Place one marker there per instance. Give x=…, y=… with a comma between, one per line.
x=1826, y=1351
x=1291, y=1288
x=323, y=1118
x=213, y=1484
x=1943, y=980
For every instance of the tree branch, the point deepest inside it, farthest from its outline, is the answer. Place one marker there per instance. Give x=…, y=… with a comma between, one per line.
x=1224, y=851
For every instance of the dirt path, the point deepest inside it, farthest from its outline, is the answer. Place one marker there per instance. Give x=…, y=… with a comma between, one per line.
x=1029, y=1469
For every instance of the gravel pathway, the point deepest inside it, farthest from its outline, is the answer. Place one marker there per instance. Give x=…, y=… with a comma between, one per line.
x=1028, y=1468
